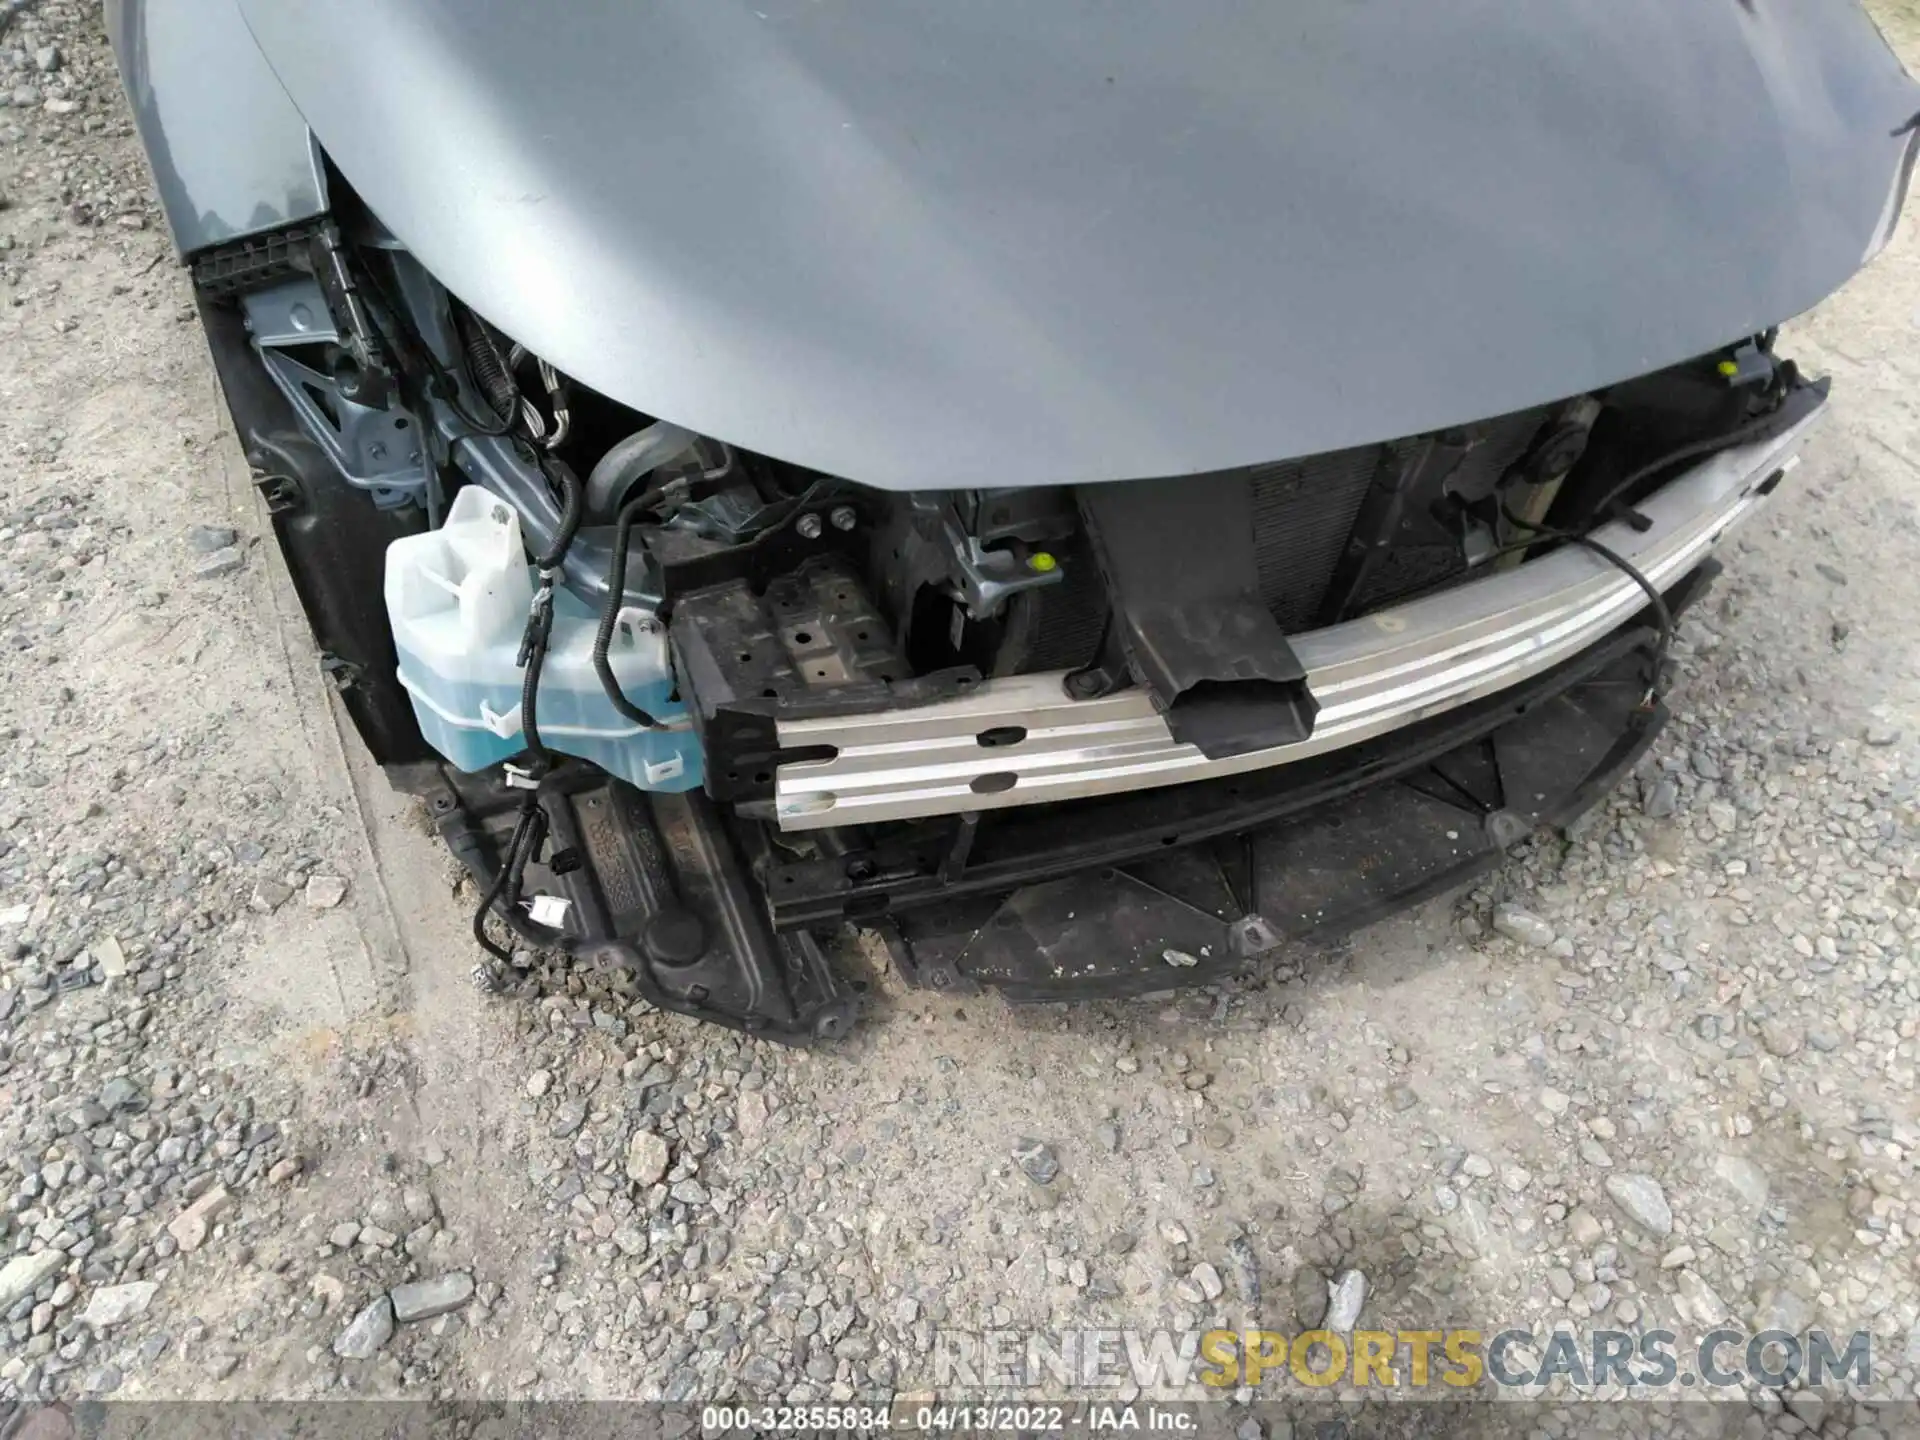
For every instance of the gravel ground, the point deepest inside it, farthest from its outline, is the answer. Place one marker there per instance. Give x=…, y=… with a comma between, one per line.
x=261, y=1137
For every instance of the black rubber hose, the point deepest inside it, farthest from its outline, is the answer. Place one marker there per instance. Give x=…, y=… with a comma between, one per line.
x=610, y=610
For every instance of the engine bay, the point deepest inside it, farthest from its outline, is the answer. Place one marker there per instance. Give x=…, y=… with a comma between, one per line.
x=812, y=593
x=596, y=642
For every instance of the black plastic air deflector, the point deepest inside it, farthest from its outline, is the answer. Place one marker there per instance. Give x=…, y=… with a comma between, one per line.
x=659, y=894
x=334, y=539
x=1199, y=913
x=1178, y=559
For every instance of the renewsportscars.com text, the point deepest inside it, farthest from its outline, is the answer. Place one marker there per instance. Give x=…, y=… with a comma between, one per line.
x=1444, y=1360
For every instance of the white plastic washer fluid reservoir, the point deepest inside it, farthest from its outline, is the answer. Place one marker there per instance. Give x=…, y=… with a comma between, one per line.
x=458, y=598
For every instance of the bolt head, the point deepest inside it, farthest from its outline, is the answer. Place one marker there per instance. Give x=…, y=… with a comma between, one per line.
x=843, y=517
x=809, y=526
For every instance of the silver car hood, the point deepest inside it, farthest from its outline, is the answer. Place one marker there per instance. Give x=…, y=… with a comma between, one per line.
x=918, y=243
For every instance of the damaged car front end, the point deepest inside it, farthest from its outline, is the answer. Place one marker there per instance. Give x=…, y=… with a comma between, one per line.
x=1092, y=497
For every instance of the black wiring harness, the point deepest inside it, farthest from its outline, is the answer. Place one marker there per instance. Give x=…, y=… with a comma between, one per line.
x=529, y=833
x=530, y=828
x=539, y=632
x=491, y=377
x=630, y=514
x=1663, y=617
x=422, y=371
x=493, y=380
x=506, y=413
x=1756, y=428
x=1614, y=503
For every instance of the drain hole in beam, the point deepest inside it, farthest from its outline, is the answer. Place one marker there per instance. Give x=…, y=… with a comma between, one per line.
x=994, y=783
x=1001, y=735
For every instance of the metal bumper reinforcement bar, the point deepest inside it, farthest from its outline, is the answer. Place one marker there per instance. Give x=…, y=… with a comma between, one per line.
x=1022, y=740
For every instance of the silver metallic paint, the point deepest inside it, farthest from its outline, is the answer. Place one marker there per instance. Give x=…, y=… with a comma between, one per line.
x=923, y=243
x=230, y=154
